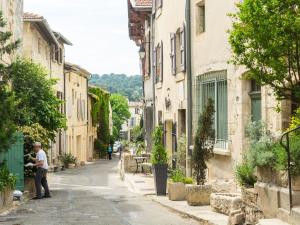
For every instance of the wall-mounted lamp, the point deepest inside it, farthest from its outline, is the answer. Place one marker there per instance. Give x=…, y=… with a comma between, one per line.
x=142, y=52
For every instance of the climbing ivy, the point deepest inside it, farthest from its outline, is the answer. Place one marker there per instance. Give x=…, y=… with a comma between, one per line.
x=100, y=118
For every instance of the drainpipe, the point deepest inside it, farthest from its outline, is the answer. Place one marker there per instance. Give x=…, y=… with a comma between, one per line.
x=189, y=88
x=152, y=72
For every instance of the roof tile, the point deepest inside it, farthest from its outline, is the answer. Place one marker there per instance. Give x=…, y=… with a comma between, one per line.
x=28, y=15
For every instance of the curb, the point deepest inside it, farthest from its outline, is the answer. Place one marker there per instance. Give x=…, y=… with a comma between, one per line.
x=202, y=221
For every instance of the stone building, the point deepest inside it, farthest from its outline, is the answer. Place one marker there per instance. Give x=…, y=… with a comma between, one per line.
x=139, y=25
x=12, y=11
x=43, y=46
x=187, y=54
x=77, y=139
x=237, y=101
x=169, y=70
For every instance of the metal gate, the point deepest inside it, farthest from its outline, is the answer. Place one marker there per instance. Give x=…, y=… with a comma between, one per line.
x=14, y=158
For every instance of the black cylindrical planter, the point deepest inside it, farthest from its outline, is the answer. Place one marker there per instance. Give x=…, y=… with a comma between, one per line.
x=160, y=173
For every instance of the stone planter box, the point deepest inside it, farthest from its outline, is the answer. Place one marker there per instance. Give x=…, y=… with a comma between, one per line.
x=296, y=183
x=271, y=176
x=70, y=166
x=197, y=195
x=225, y=202
x=29, y=186
x=176, y=191
x=6, y=198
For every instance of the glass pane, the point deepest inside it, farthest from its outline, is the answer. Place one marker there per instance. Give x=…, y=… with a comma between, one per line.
x=222, y=113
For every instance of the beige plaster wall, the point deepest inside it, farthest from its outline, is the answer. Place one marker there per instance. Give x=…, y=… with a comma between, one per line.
x=77, y=131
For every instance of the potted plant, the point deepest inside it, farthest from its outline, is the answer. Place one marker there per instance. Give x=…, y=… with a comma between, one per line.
x=176, y=185
x=203, y=150
x=7, y=185
x=159, y=161
x=68, y=160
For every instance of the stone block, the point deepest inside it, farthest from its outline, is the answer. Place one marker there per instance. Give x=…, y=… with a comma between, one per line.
x=249, y=196
x=225, y=202
x=236, y=217
x=176, y=191
x=197, y=195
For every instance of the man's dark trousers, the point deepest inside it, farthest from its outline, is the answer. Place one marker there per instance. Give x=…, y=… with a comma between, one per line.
x=41, y=180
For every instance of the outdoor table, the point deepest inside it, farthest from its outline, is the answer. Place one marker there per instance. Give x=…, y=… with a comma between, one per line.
x=139, y=161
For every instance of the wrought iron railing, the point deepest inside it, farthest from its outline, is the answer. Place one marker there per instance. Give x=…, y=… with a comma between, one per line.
x=286, y=144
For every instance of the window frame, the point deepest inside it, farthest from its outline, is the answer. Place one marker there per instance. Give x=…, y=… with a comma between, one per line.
x=215, y=79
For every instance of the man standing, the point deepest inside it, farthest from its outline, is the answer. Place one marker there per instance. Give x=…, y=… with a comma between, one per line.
x=41, y=172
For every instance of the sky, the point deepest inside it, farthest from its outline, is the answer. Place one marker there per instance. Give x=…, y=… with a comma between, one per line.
x=98, y=30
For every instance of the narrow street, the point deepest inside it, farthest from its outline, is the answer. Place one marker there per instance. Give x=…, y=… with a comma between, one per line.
x=93, y=194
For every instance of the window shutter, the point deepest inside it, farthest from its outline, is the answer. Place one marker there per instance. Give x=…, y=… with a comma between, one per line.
x=173, y=53
x=161, y=62
x=174, y=137
x=183, y=48
x=154, y=63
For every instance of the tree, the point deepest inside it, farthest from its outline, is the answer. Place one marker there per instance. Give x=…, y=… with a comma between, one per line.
x=37, y=102
x=204, y=142
x=100, y=117
x=265, y=37
x=7, y=112
x=7, y=102
x=120, y=112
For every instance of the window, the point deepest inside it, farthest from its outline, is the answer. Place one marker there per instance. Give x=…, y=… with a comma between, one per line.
x=173, y=53
x=214, y=85
x=132, y=122
x=200, y=17
x=158, y=63
x=137, y=111
x=182, y=48
x=255, y=95
x=73, y=96
x=39, y=46
x=178, y=51
x=60, y=55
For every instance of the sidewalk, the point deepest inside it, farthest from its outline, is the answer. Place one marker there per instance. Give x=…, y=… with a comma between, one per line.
x=144, y=185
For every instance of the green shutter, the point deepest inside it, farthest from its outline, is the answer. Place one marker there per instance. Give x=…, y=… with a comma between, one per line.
x=222, y=114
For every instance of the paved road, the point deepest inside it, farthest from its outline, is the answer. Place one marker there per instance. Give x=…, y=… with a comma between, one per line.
x=93, y=195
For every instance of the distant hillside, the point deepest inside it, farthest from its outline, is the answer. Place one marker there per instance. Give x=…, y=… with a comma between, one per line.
x=129, y=86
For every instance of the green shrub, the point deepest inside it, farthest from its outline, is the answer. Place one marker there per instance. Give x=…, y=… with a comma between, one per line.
x=137, y=134
x=260, y=151
x=159, y=154
x=181, y=154
x=7, y=180
x=178, y=176
x=244, y=175
x=68, y=158
x=188, y=180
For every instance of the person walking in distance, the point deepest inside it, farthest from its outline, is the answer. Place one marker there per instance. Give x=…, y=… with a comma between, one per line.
x=41, y=164
x=109, y=151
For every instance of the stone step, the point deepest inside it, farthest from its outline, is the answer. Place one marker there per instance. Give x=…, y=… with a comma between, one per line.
x=283, y=214
x=296, y=215
x=271, y=222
